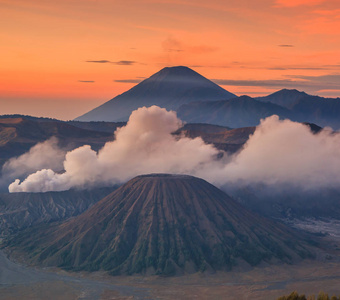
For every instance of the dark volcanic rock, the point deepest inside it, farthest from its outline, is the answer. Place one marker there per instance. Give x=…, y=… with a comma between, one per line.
x=161, y=224
x=21, y=210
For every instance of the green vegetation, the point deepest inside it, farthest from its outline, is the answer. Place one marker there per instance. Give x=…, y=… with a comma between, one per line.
x=296, y=296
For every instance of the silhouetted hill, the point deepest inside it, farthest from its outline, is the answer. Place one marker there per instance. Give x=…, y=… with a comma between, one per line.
x=313, y=127
x=161, y=224
x=169, y=88
x=18, y=135
x=237, y=112
x=318, y=110
x=223, y=138
x=307, y=108
x=101, y=126
x=286, y=98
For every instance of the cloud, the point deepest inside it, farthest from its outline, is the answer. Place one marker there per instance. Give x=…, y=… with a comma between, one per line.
x=322, y=22
x=286, y=46
x=301, y=68
x=124, y=62
x=103, y=61
x=174, y=50
x=144, y=145
x=330, y=81
x=333, y=66
x=294, y=3
x=264, y=83
x=128, y=80
x=43, y=155
x=278, y=153
x=86, y=81
x=310, y=83
x=324, y=12
x=285, y=152
x=322, y=25
x=171, y=44
x=120, y=62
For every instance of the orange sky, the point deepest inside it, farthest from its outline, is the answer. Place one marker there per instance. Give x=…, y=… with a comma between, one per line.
x=249, y=47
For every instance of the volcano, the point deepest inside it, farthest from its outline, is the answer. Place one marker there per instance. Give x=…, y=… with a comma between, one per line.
x=169, y=88
x=161, y=224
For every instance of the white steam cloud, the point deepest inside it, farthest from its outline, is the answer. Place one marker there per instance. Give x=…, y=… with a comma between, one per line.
x=279, y=152
x=285, y=152
x=144, y=145
x=43, y=155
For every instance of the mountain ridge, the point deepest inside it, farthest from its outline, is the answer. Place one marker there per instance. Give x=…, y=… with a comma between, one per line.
x=168, y=88
x=286, y=97
x=237, y=112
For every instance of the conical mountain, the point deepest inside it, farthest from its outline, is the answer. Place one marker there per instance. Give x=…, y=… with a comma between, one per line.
x=161, y=224
x=169, y=88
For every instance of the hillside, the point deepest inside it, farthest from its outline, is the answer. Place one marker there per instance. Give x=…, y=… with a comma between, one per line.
x=307, y=108
x=223, y=138
x=161, y=224
x=237, y=112
x=18, y=135
x=21, y=210
x=169, y=88
x=285, y=98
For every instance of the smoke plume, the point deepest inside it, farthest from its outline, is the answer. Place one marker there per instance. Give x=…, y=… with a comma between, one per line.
x=285, y=152
x=144, y=145
x=278, y=153
x=43, y=155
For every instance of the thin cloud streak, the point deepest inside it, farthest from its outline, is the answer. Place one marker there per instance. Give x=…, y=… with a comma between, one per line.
x=295, y=3
x=128, y=80
x=312, y=83
x=124, y=62
x=103, y=61
x=119, y=63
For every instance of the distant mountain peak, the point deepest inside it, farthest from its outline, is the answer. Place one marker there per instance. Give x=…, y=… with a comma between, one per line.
x=285, y=97
x=290, y=91
x=170, y=88
x=177, y=71
x=180, y=75
x=245, y=98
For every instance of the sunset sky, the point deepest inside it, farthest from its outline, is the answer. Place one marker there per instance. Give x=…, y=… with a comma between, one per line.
x=62, y=58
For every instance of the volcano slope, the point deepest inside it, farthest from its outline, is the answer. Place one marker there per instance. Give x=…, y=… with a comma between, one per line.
x=21, y=210
x=161, y=224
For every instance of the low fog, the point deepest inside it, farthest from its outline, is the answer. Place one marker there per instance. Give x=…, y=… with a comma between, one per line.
x=278, y=153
